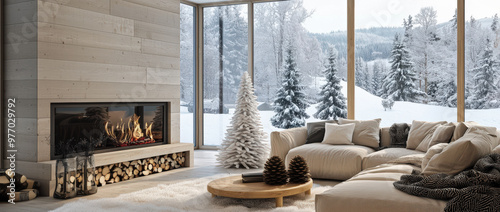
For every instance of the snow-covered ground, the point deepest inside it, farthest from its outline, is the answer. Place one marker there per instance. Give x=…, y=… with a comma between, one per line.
x=367, y=106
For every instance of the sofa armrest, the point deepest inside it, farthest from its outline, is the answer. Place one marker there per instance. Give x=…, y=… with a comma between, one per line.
x=283, y=141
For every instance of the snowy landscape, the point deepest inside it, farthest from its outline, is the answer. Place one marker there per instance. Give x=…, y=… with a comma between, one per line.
x=412, y=64
x=369, y=108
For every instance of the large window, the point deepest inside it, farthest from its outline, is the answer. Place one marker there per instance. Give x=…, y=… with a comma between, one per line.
x=225, y=59
x=482, y=57
x=406, y=57
x=293, y=41
x=187, y=54
x=405, y=62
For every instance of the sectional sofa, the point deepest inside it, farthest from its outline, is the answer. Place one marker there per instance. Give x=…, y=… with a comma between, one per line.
x=367, y=173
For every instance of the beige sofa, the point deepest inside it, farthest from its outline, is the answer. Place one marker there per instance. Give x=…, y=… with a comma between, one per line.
x=336, y=162
x=368, y=176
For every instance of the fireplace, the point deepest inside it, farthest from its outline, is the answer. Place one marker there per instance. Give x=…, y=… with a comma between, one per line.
x=110, y=126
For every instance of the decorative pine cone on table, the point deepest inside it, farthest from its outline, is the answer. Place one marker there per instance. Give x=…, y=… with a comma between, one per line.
x=298, y=170
x=275, y=172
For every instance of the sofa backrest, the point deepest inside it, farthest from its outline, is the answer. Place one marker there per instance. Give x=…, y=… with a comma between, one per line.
x=385, y=137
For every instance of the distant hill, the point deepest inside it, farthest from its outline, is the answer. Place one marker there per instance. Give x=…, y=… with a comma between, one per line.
x=371, y=43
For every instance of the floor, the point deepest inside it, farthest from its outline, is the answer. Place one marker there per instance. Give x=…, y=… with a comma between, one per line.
x=205, y=165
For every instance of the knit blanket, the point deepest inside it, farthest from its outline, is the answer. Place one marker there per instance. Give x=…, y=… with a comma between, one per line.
x=476, y=189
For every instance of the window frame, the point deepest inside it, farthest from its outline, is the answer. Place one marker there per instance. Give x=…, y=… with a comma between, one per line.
x=350, y=59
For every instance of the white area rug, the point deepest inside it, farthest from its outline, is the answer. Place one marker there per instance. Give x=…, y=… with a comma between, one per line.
x=189, y=195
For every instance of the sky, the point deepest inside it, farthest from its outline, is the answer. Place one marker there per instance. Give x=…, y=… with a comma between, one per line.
x=331, y=15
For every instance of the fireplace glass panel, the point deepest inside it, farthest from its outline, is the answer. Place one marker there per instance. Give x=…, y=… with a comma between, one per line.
x=113, y=126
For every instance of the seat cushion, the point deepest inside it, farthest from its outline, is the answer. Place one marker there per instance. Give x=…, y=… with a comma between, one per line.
x=326, y=161
x=373, y=190
x=386, y=155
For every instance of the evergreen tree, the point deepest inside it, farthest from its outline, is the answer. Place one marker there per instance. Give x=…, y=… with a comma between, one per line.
x=244, y=142
x=235, y=51
x=332, y=102
x=376, y=78
x=494, y=24
x=485, y=75
x=290, y=103
x=408, y=26
x=399, y=84
x=447, y=92
x=360, y=73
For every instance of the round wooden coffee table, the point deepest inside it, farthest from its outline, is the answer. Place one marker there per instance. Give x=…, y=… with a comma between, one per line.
x=234, y=188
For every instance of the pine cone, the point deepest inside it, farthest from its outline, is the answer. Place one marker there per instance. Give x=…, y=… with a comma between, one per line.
x=298, y=170
x=275, y=172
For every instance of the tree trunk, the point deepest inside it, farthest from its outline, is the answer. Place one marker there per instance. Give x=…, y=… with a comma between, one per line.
x=221, y=61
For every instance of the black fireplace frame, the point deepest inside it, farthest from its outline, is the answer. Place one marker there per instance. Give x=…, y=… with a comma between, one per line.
x=166, y=121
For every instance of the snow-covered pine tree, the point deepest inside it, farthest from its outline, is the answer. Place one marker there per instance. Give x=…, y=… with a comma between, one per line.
x=244, y=143
x=447, y=92
x=376, y=78
x=360, y=73
x=235, y=51
x=485, y=74
x=408, y=26
x=290, y=103
x=399, y=84
x=332, y=102
x=367, y=79
x=494, y=23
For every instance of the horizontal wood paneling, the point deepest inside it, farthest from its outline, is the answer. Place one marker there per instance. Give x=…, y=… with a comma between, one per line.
x=100, y=6
x=20, y=69
x=53, y=33
x=89, y=51
x=139, y=12
x=160, y=48
x=104, y=56
x=166, y=5
x=157, y=32
x=20, y=12
x=70, y=16
x=79, y=71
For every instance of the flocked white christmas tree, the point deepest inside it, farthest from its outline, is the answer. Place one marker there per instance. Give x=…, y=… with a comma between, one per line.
x=244, y=143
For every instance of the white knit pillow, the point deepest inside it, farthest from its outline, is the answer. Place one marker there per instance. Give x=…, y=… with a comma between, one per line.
x=338, y=134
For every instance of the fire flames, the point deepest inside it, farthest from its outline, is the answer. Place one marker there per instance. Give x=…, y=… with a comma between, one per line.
x=129, y=133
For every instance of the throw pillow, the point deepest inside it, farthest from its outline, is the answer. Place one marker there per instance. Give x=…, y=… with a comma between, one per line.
x=436, y=149
x=462, y=153
x=338, y=134
x=399, y=134
x=441, y=134
x=460, y=128
x=366, y=132
x=419, y=130
x=316, y=131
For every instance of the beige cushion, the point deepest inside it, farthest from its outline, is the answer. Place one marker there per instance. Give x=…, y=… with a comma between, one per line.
x=338, y=134
x=460, y=128
x=436, y=149
x=336, y=162
x=462, y=153
x=441, y=134
x=496, y=150
x=386, y=155
x=366, y=132
x=419, y=131
x=372, y=190
x=385, y=137
x=283, y=141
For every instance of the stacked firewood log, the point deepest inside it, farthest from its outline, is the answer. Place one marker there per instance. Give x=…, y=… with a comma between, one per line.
x=114, y=173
